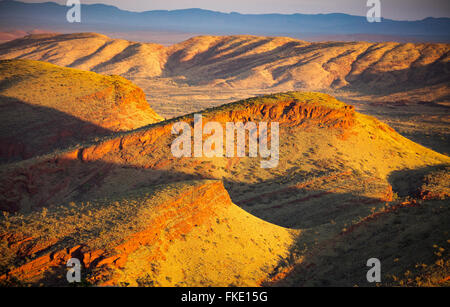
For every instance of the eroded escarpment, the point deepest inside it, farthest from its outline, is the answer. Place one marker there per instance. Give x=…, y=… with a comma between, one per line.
x=289, y=110
x=185, y=234
x=295, y=113
x=61, y=177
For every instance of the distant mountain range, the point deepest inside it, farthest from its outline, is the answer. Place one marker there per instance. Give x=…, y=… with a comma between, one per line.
x=107, y=19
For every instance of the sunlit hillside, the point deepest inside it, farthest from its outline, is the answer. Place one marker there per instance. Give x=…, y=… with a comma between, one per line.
x=207, y=71
x=338, y=171
x=182, y=234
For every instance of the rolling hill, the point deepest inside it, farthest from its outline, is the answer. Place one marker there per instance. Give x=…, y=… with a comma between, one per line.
x=211, y=70
x=339, y=171
x=46, y=107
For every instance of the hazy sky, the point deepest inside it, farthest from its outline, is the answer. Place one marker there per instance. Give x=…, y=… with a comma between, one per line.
x=392, y=9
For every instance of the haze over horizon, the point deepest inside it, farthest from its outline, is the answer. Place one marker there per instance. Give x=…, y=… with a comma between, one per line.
x=394, y=9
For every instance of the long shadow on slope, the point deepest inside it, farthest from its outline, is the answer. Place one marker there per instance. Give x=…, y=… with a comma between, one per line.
x=335, y=254
x=47, y=181
x=236, y=62
x=308, y=200
x=322, y=214
x=51, y=180
x=400, y=240
x=391, y=82
x=56, y=180
x=228, y=68
x=408, y=182
x=29, y=130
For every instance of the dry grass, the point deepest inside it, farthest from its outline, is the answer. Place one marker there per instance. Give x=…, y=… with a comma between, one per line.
x=211, y=252
x=329, y=182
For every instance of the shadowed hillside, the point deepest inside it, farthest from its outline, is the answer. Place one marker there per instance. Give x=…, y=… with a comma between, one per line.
x=45, y=107
x=335, y=173
x=409, y=236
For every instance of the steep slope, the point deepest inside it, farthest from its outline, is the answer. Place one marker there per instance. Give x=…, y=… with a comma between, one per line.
x=337, y=168
x=45, y=107
x=249, y=62
x=181, y=234
x=321, y=139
